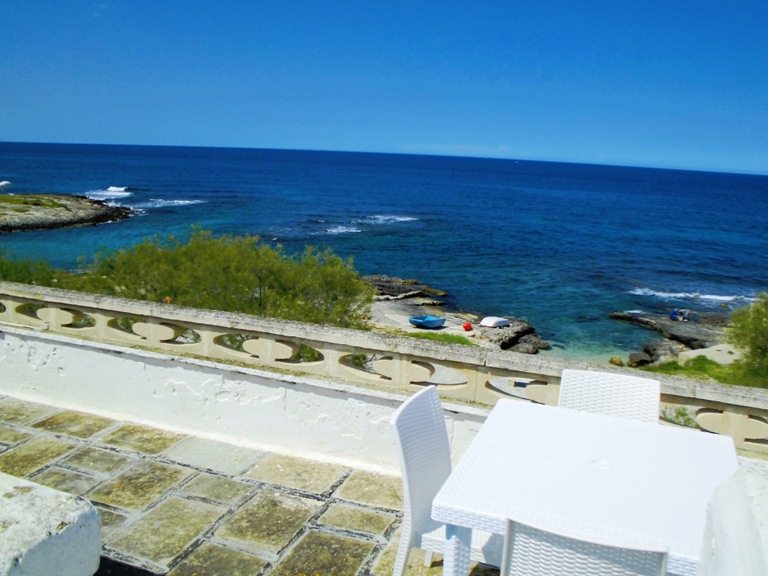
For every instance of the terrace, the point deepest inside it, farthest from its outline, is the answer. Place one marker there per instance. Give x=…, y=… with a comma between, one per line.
x=204, y=440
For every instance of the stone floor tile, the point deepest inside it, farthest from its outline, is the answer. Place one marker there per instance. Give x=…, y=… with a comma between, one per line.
x=138, y=486
x=217, y=489
x=65, y=480
x=75, y=424
x=212, y=455
x=357, y=518
x=11, y=436
x=111, y=522
x=268, y=522
x=325, y=554
x=165, y=531
x=385, y=562
x=372, y=488
x=96, y=460
x=309, y=475
x=215, y=560
x=15, y=411
x=142, y=438
x=33, y=455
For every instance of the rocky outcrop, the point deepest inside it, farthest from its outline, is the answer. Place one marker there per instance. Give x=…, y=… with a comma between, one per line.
x=702, y=332
x=519, y=336
x=392, y=288
x=48, y=211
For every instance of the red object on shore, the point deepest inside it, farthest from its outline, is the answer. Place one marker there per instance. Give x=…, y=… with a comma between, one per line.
x=467, y=326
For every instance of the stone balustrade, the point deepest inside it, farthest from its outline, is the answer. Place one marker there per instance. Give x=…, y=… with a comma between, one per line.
x=463, y=374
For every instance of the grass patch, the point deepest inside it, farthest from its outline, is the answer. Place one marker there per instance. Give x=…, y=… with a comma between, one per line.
x=698, y=367
x=29, y=200
x=447, y=338
x=703, y=367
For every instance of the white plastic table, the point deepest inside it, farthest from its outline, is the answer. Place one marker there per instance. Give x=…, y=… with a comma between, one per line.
x=589, y=474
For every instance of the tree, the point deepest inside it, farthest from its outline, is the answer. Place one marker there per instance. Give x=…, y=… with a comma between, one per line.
x=748, y=332
x=25, y=271
x=235, y=274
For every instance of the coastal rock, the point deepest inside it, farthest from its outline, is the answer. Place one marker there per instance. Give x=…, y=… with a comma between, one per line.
x=702, y=332
x=639, y=359
x=399, y=298
x=662, y=350
x=519, y=336
x=390, y=287
x=531, y=344
x=48, y=211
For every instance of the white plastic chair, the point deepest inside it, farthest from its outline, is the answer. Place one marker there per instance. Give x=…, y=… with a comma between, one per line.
x=425, y=464
x=532, y=551
x=614, y=394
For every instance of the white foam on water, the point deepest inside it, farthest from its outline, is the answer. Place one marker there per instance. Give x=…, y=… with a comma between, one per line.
x=110, y=193
x=341, y=230
x=161, y=203
x=690, y=296
x=386, y=219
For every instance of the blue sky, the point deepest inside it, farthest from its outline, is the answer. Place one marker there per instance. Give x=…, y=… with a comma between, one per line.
x=665, y=84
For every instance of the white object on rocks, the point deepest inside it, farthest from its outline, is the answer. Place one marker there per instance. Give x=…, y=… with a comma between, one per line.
x=494, y=322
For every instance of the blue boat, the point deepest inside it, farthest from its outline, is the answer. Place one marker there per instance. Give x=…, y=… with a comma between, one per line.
x=426, y=321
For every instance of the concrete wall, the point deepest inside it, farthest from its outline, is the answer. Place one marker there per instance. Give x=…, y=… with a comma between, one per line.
x=736, y=535
x=289, y=414
x=397, y=365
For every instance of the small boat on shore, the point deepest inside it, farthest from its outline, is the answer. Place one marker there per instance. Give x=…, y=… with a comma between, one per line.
x=427, y=321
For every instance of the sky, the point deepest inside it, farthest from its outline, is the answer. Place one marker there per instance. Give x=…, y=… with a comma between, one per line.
x=663, y=84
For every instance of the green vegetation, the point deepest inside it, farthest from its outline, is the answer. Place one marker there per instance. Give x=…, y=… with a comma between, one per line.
x=698, y=367
x=679, y=416
x=26, y=271
x=438, y=337
x=21, y=200
x=234, y=274
x=748, y=332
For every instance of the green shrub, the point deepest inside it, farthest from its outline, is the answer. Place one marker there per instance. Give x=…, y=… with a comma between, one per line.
x=234, y=274
x=748, y=332
x=26, y=271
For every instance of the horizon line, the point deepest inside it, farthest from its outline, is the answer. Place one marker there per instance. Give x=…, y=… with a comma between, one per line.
x=403, y=153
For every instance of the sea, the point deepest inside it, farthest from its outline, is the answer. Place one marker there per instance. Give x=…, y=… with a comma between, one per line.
x=559, y=245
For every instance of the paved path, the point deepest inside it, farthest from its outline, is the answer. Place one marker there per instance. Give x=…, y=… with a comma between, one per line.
x=183, y=506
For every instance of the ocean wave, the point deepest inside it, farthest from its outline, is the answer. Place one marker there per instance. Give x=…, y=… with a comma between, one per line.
x=385, y=219
x=341, y=229
x=161, y=203
x=110, y=193
x=714, y=298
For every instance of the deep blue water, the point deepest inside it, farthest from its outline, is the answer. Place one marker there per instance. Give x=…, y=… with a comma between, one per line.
x=560, y=245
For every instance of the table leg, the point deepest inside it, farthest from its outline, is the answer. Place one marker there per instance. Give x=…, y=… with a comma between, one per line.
x=457, y=547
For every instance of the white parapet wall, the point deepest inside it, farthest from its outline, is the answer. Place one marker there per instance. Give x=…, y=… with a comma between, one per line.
x=44, y=531
x=297, y=415
x=362, y=359
x=736, y=536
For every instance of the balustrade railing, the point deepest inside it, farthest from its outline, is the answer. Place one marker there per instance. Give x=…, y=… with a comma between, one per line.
x=383, y=361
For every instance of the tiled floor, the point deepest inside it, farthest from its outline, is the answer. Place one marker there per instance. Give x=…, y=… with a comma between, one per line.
x=184, y=506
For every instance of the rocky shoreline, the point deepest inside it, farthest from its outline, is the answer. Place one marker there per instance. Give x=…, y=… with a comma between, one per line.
x=398, y=299
x=702, y=330
x=20, y=212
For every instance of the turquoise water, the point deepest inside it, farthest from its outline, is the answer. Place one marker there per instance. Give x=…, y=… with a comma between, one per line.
x=561, y=245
